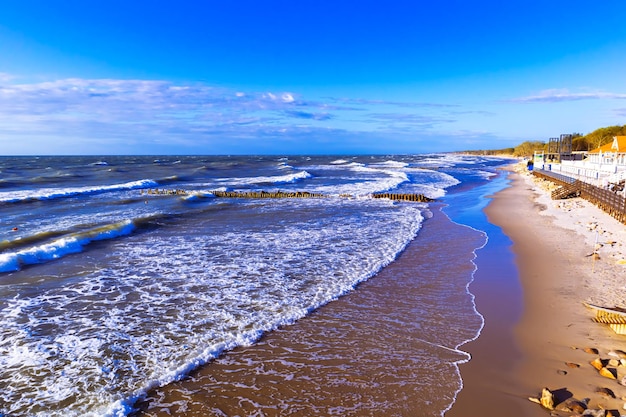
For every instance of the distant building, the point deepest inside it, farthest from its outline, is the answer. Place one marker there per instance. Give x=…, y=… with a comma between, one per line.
x=603, y=166
x=613, y=153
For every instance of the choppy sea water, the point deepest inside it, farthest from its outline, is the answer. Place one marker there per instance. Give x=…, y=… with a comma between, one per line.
x=107, y=293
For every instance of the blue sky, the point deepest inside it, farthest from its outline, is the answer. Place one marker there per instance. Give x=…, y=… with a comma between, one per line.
x=305, y=77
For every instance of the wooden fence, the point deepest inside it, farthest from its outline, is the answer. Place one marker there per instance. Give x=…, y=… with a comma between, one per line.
x=611, y=202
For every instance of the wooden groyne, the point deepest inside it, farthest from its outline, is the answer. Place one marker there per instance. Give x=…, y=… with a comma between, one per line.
x=420, y=198
x=165, y=191
x=609, y=201
x=264, y=194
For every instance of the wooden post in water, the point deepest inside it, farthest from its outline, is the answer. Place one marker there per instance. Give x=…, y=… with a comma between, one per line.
x=296, y=194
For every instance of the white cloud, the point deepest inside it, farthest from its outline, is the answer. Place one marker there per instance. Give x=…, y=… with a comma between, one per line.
x=78, y=115
x=558, y=95
x=107, y=110
x=390, y=103
x=128, y=100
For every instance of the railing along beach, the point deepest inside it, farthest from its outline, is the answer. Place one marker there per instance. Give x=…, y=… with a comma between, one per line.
x=609, y=201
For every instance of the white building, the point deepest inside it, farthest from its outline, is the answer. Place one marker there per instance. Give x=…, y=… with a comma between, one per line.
x=602, y=166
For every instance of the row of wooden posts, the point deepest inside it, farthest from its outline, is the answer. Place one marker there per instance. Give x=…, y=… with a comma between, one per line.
x=294, y=194
x=421, y=198
x=609, y=201
x=165, y=191
x=265, y=194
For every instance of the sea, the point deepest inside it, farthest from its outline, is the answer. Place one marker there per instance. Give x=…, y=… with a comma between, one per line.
x=130, y=287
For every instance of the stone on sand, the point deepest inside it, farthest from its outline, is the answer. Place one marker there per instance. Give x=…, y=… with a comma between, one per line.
x=547, y=399
x=572, y=405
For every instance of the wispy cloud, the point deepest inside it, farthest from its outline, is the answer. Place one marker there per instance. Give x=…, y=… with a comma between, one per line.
x=308, y=115
x=473, y=112
x=406, y=104
x=136, y=103
x=78, y=115
x=620, y=112
x=407, y=120
x=153, y=107
x=559, y=95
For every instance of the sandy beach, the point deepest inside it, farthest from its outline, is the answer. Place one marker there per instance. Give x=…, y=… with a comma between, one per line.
x=549, y=345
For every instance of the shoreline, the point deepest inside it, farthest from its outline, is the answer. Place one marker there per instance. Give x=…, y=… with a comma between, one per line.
x=385, y=349
x=551, y=241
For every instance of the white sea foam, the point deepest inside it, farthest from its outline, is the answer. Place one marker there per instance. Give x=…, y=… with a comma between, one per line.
x=73, y=243
x=361, y=180
x=450, y=160
x=276, y=179
x=485, y=174
x=432, y=184
x=165, y=306
x=354, y=179
x=355, y=164
x=199, y=195
x=52, y=193
x=439, y=160
x=391, y=164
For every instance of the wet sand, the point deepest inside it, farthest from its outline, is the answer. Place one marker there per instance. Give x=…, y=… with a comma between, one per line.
x=556, y=275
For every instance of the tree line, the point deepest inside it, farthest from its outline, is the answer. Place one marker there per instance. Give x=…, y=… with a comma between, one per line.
x=587, y=142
